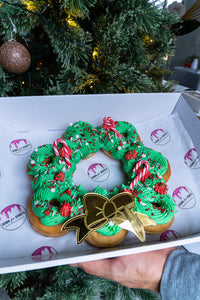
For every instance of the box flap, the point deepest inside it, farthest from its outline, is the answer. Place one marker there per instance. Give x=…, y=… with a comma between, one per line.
x=190, y=121
x=50, y=112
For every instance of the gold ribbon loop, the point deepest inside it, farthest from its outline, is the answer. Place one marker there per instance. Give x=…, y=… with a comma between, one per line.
x=99, y=211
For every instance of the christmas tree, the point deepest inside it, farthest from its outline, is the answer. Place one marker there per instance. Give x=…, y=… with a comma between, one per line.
x=83, y=46
x=80, y=47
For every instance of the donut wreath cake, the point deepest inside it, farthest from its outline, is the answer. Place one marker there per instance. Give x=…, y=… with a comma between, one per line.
x=59, y=205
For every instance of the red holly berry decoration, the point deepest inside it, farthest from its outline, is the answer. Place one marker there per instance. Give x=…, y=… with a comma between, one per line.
x=161, y=188
x=59, y=176
x=132, y=154
x=47, y=212
x=65, y=209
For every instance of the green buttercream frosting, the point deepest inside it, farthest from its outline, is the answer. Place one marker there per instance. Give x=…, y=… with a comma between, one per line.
x=117, y=146
x=85, y=138
x=160, y=208
x=158, y=164
x=109, y=229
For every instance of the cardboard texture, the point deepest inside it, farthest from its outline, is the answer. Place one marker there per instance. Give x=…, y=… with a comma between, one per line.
x=165, y=122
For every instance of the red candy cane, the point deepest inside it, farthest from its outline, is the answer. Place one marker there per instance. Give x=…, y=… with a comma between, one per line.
x=65, y=150
x=110, y=125
x=141, y=174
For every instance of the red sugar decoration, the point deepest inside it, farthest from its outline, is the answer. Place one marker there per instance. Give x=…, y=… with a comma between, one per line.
x=47, y=212
x=59, y=176
x=161, y=188
x=65, y=209
x=132, y=154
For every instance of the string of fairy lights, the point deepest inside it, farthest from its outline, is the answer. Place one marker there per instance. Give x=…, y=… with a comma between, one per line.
x=28, y=6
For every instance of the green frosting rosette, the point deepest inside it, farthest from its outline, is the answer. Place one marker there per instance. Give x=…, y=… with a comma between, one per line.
x=84, y=137
x=118, y=140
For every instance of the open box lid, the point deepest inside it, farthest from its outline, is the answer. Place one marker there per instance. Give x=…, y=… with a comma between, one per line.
x=26, y=116
x=49, y=112
x=193, y=99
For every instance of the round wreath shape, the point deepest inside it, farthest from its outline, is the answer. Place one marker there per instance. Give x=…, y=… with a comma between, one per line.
x=59, y=205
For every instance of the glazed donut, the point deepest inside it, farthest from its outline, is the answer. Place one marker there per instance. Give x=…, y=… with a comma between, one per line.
x=158, y=229
x=54, y=200
x=57, y=199
x=38, y=226
x=98, y=240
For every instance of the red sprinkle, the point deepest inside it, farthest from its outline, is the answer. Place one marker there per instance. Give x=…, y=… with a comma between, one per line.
x=65, y=209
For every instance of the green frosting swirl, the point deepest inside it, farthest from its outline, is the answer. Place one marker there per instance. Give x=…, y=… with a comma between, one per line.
x=115, y=145
x=137, y=151
x=160, y=208
x=84, y=137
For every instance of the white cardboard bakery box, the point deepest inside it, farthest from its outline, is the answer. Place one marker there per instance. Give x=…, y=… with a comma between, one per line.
x=193, y=99
x=165, y=122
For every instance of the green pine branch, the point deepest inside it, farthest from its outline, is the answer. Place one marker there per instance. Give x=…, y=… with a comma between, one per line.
x=6, y=85
x=67, y=283
x=94, y=46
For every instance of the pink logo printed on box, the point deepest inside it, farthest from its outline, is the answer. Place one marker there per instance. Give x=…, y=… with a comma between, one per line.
x=160, y=136
x=184, y=198
x=98, y=172
x=44, y=253
x=12, y=217
x=169, y=235
x=191, y=159
x=20, y=147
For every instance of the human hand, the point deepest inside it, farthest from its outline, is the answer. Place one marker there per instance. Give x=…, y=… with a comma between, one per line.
x=142, y=270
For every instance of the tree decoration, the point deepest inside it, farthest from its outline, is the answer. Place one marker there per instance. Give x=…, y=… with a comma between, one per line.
x=14, y=57
x=91, y=46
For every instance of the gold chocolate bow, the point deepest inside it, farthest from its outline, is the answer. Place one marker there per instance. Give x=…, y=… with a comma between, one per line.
x=99, y=211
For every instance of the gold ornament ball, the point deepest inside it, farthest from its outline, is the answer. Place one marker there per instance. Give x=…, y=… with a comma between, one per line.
x=14, y=57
